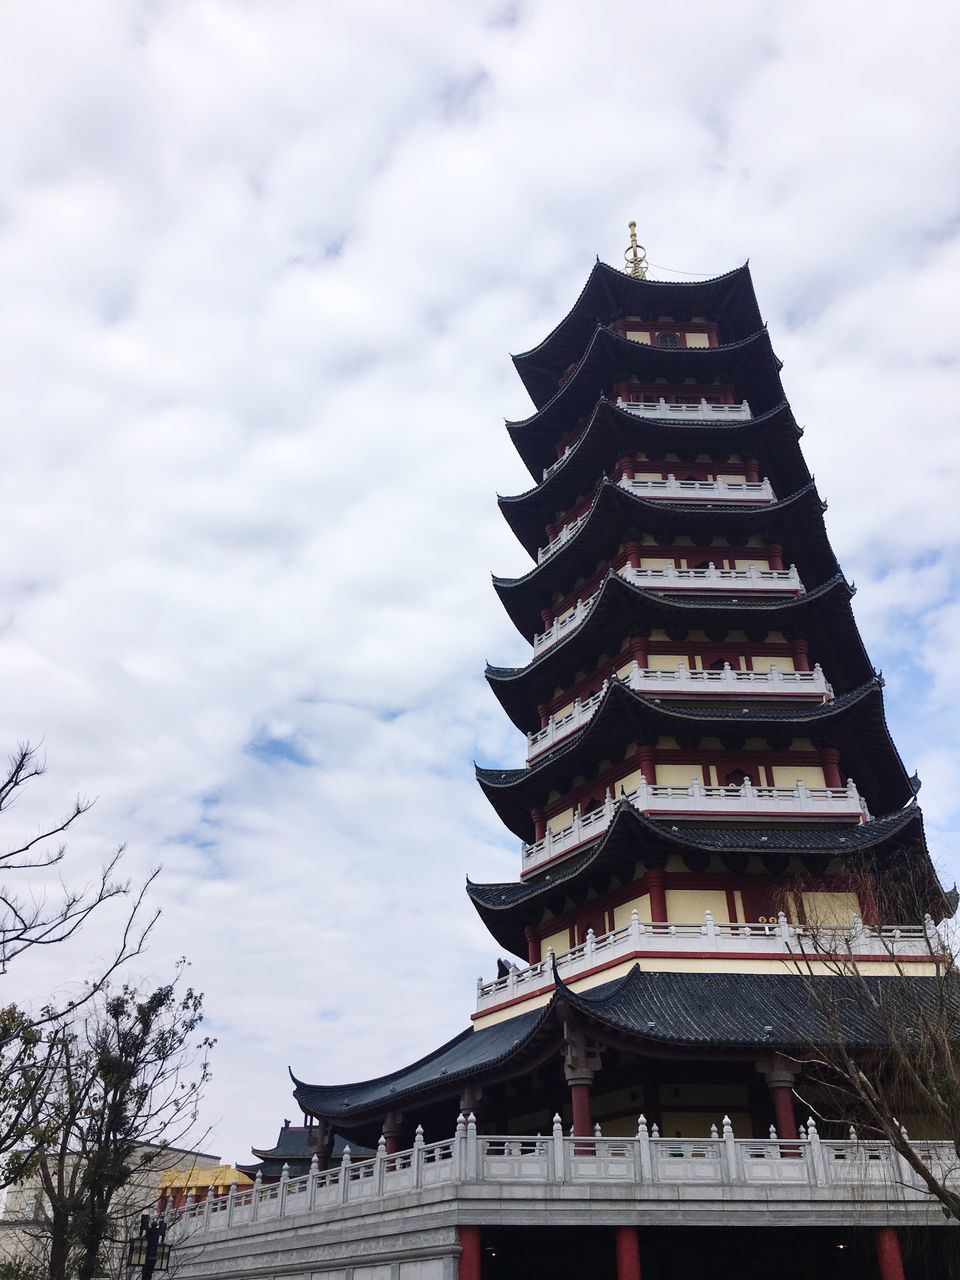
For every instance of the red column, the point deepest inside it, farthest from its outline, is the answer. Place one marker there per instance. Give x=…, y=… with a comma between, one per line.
x=546, y=616
x=783, y=1112
x=539, y=824
x=801, y=655
x=533, y=944
x=647, y=760
x=640, y=650
x=888, y=1254
x=470, y=1256
x=869, y=911
x=628, y=1254
x=752, y=467
x=580, y=1101
x=628, y=467
x=632, y=548
x=543, y=711
x=392, y=1129
x=775, y=555
x=830, y=763
x=658, y=895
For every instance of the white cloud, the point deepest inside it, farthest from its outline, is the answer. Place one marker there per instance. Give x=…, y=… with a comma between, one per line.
x=262, y=266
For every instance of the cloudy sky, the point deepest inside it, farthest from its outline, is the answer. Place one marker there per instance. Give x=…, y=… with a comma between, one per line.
x=261, y=266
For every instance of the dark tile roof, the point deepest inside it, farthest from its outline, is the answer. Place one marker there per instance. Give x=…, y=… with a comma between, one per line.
x=462, y=1058
x=610, y=293
x=737, y=1010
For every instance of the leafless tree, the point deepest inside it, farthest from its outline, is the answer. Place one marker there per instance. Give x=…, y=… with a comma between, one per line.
x=888, y=1049
x=31, y=919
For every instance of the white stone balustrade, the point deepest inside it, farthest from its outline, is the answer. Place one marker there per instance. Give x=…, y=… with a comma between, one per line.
x=693, y=411
x=697, y=800
x=670, y=578
x=681, y=680
x=806, y=1170
x=672, y=490
x=780, y=941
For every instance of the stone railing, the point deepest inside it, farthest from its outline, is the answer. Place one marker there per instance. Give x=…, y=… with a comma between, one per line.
x=695, y=411
x=681, y=680
x=672, y=490
x=670, y=578
x=763, y=941
x=697, y=800
x=803, y=1168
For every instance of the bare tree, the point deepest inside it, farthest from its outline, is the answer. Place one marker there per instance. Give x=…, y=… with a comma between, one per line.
x=29, y=919
x=888, y=1048
x=125, y=1080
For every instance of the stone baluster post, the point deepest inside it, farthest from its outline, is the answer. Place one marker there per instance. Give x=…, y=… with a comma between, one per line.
x=255, y=1196
x=344, y=1184
x=379, y=1165
x=730, y=1153
x=231, y=1200
x=559, y=1171
x=643, y=1150
x=314, y=1176
x=417, y=1157
x=816, y=1153
x=636, y=930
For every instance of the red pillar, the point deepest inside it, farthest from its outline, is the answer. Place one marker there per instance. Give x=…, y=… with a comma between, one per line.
x=632, y=548
x=641, y=652
x=470, y=1256
x=539, y=824
x=775, y=555
x=888, y=1254
x=392, y=1130
x=647, y=760
x=656, y=883
x=801, y=654
x=752, y=468
x=830, y=763
x=580, y=1101
x=543, y=711
x=783, y=1112
x=628, y=1254
x=628, y=467
x=546, y=616
x=533, y=944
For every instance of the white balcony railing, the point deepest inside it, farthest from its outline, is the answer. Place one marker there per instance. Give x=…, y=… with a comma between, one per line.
x=780, y=941
x=840, y=1181
x=697, y=800
x=694, y=411
x=672, y=490
x=671, y=578
x=679, y=680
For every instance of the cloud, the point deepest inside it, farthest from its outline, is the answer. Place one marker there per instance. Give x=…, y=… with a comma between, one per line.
x=262, y=267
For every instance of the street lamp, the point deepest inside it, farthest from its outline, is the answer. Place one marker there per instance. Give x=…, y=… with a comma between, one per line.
x=147, y=1250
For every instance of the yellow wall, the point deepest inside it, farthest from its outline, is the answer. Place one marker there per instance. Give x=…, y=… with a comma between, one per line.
x=786, y=775
x=665, y=661
x=638, y=335
x=655, y=562
x=558, y=943
x=677, y=775
x=687, y=906
x=830, y=908
x=698, y=340
x=751, y=564
x=560, y=820
x=736, y=479
x=622, y=914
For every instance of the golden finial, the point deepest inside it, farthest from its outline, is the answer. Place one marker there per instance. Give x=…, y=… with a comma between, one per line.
x=636, y=255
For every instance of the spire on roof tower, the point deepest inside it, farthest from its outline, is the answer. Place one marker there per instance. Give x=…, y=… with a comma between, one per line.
x=636, y=255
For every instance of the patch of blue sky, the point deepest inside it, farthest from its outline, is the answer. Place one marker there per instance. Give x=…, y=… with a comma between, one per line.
x=274, y=750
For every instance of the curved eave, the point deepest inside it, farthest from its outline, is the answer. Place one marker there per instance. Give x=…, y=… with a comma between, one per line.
x=507, y=908
x=610, y=294
x=436, y=1075
x=855, y=722
x=741, y=1012
x=750, y=364
x=613, y=433
x=797, y=521
x=622, y=607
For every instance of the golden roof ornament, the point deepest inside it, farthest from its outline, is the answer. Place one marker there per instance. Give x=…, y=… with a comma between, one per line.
x=636, y=255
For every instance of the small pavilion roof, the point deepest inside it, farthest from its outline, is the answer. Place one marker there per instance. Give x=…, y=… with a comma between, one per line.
x=622, y=609
x=613, y=433
x=610, y=294
x=507, y=908
x=854, y=721
x=795, y=522
x=609, y=359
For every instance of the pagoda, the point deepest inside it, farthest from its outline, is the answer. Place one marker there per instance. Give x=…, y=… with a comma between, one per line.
x=709, y=781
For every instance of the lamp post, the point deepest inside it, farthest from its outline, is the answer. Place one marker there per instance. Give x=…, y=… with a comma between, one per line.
x=147, y=1250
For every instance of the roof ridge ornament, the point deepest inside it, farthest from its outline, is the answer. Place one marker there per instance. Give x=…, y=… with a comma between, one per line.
x=636, y=255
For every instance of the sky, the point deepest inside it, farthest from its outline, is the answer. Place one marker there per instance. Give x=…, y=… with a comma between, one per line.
x=261, y=268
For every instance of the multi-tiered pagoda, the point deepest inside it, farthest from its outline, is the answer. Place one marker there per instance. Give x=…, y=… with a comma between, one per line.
x=709, y=782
